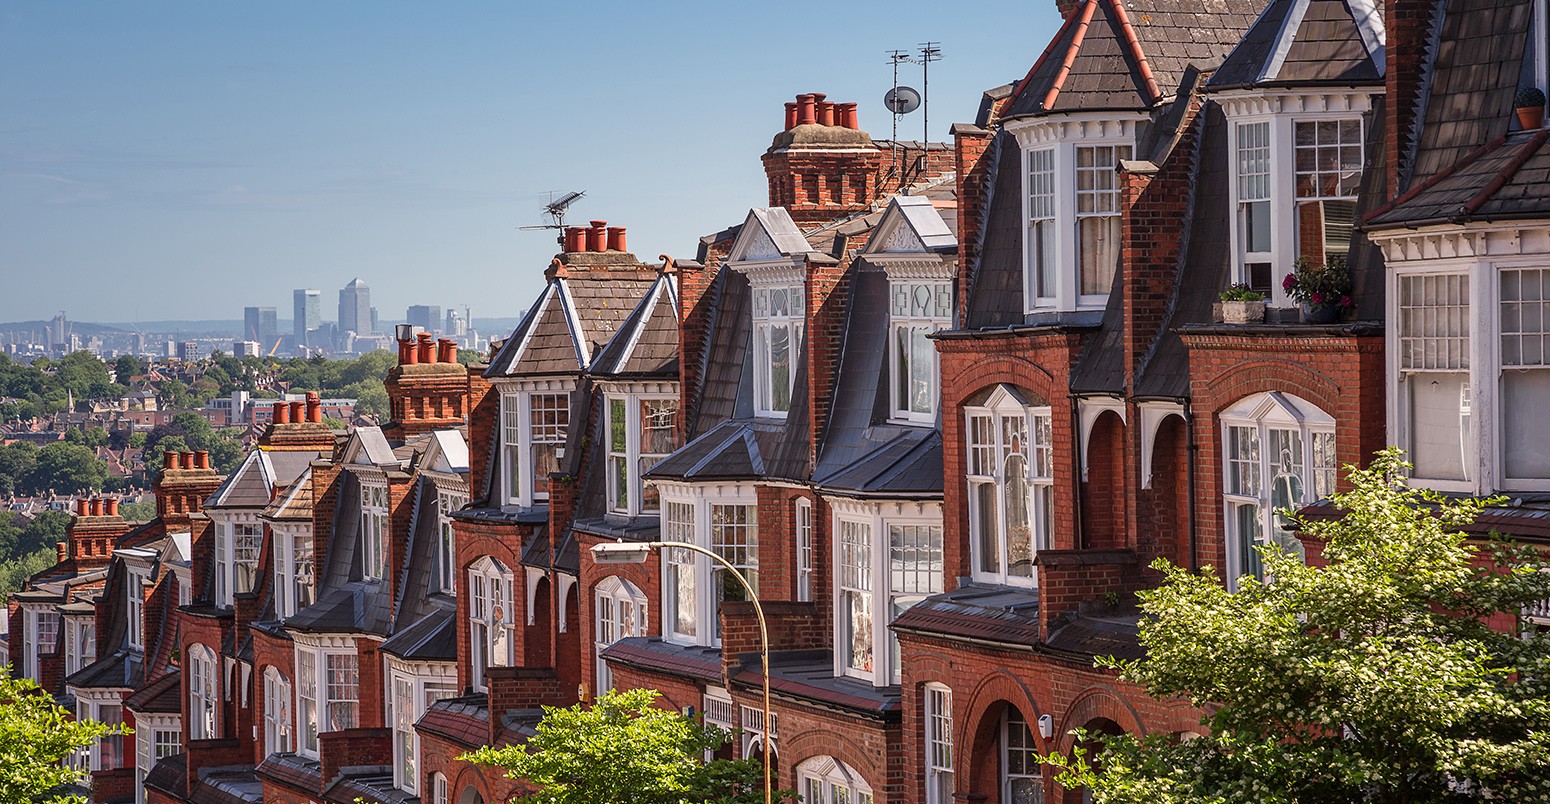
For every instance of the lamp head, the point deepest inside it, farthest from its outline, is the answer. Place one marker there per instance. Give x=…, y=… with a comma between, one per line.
x=621, y=552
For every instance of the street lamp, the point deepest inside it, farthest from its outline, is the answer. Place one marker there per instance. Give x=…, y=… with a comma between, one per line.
x=622, y=552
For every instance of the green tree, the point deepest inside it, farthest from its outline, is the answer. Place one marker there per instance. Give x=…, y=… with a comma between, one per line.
x=44, y=532
x=141, y=511
x=16, y=462
x=624, y=749
x=36, y=736
x=127, y=366
x=84, y=374
x=67, y=468
x=15, y=571
x=370, y=397
x=1374, y=678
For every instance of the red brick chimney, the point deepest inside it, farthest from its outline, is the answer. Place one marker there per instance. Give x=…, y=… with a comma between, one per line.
x=428, y=391
x=824, y=166
x=182, y=488
x=1407, y=24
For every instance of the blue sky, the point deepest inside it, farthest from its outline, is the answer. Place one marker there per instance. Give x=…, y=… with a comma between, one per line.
x=182, y=160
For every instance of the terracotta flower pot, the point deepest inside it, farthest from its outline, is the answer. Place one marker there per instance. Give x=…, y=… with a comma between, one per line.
x=1531, y=117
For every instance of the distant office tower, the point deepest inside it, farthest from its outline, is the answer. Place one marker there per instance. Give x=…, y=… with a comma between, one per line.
x=373, y=322
x=355, y=307
x=307, y=313
x=188, y=351
x=457, y=326
x=241, y=349
x=59, y=333
x=258, y=324
x=424, y=316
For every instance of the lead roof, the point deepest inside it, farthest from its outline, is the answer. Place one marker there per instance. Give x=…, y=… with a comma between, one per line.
x=1307, y=43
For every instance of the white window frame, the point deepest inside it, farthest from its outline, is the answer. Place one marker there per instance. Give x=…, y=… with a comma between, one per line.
x=134, y=593
x=827, y=780
x=909, y=323
x=90, y=705
x=294, y=571
x=226, y=524
x=446, y=540
x=631, y=457
x=938, y=742
x=439, y=788
x=1282, y=110
x=204, y=693
x=520, y=486
x=36, y=616
x=1026, y=755
x=698, y=570
x=619, y=611
x=765, y=322
x=156, y=736
x=492, y=633
x=1247, y=482
x=375, y=529
x=1107, y=199
x=247, y=544
x=879, y=587
x=1041, y=258
x=986, y=467
x=80, y=642
x=803, y=513
x=425, y=683
x=315, y=653
x=279, y=729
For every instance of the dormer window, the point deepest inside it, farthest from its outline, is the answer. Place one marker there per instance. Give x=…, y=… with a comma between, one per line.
x=1295, y=182
x=917, y=310
x=642, y=429
x=1071, y=210
x=374, y=530
x=777, y=329
x=237, y=545
x=533, y=432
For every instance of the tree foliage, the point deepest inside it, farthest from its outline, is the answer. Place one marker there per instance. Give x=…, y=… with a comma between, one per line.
x=14, y=572
x=1374, y=678
x=627, y=750
x=36, y=735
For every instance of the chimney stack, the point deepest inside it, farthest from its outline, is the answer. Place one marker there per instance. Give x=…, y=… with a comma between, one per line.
x=281, y=413
x=314, y=408
x=201, y=459
x=616, y=238
x=597, y=236
x=425, y=347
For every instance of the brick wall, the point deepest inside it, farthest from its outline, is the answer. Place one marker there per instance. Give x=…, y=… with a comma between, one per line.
x=354, y=747
x=791, y=626
x=971, y=148
x=1406, y=24
x=483, y=418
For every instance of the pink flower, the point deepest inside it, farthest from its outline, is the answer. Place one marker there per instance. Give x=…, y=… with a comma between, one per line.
x=1316, y=298
x=1345, y=301
x=1289, y=282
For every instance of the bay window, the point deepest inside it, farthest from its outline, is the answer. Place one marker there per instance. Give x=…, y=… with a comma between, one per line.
x=1279, y=454
x=724, y=520
x=204, y=693
x=641, y=431
x=412, y=690
x=293, y=569
x=107, y=751
x=156, y=737
x=938, y=744
x=621, y=612
x=492, y=623
x=374, y=530
x=777, y=328
x=917, y=309
x=277, y=712
x=1011, y=485
x=238, y=539
x=1525, y=376
x=888, y=557
x=41, y=637
x=328, y=684
x=1043, y=254
x=533, y=432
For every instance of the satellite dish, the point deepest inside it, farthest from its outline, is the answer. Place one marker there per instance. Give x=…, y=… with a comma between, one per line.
x=901, y=100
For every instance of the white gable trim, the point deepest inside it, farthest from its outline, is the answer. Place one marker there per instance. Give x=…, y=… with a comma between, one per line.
x=1153, y=414
x=1088, y=411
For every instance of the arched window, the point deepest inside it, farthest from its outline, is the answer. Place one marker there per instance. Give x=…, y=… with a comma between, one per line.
x=826, y=780
x=204, y=693
x=1011, y=484
x=621, y=612
x=938, y=743
x=492, y=626
x=438, y=789
x=1278, y=453
x=1022, y=778
x=277, y=712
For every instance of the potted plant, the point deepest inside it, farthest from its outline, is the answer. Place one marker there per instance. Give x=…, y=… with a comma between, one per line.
x=1323, y=290
x=1240, y=305
x=1530, y=106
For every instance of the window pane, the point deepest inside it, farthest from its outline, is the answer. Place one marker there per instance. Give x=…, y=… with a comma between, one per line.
x=1019, y=533
x=780, y=367
x=1099, y=251
x=915, y=559
x=985, y=526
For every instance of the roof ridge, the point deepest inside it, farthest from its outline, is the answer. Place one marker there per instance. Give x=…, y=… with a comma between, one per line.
x=1525, y=151
x=1039, y=62
x=1435, y=179
x=1134, y=44
x=1071, y=53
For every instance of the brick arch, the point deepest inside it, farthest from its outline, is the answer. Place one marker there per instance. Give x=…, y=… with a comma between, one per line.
x=793, y=751
x=1004, y=370
x=1098, y=703
x=1104, y=484
x=978, y=769
x=469, y=776
x=1263, y=376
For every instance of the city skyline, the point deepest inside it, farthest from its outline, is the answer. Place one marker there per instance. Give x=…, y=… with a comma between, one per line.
x=174, y=146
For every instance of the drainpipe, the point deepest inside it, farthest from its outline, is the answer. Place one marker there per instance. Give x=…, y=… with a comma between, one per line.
x=1192, y=450
x=1076, y=465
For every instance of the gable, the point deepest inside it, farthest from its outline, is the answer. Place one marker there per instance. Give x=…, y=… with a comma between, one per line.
x=768, y=233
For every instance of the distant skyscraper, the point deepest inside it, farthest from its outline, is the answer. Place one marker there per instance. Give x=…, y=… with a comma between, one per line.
x=355, y=307
x=373, y=321
x=258, y=324
x=424, y=316
x=456, y=327
x=307, y=313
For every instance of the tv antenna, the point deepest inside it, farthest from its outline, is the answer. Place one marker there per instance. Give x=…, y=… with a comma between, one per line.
x=902, y=100
x=556, y=209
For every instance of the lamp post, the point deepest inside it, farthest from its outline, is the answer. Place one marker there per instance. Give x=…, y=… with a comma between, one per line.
x=622, y=552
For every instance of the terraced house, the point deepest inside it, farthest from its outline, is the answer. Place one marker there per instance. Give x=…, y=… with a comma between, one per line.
x=941, y=420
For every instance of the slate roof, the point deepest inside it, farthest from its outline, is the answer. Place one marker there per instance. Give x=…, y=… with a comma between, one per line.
x=170, y=775
x=651, y=653
x=1088, y=636
x=1504, y=180
x=809, y=676
x=464, y=721
x=996, y=278
x=292, y=769
x=164, y=695
x=1308, y=43
x=249, y=486
x=1093, y=66
x=569, y=323
x=646, y=344
x=725, y=383
x=119, y=669
x=1469, y=88
x=907, y=464
x=995, y=613
x=734, y=450
x=367, y=785
x=355, y=607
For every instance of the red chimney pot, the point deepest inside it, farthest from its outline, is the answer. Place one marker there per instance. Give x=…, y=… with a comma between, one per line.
x=83, y=505
x=446, y=351
x=805, y=111
x=597, y=236
x=825, y=113
x=281, y=413
x=110, y=506
x=202, y=457
x=575, y=239
x=791, y=116
x=186, y=460
x=616, y=239
x=169, y=460
x=426, y=347
x=96, y=507
x=848, y=117
x=314, y=408
x=296, y=412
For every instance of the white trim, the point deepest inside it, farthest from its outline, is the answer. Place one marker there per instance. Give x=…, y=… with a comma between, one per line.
x=427, y=682
x=700, y=498
x=1088, y=409
x=1153, y=414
